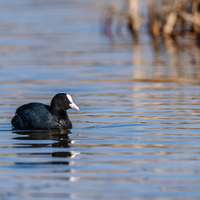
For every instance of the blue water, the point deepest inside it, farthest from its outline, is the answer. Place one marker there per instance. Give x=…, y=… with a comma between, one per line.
x=136, y=135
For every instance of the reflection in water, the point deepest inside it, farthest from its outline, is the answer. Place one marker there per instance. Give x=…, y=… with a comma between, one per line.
x=43, y=135
x=60, y=136
x=173, y=61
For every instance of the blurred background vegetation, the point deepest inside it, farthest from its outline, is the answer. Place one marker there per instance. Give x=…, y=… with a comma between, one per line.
x=171, y=26
x=164, y=17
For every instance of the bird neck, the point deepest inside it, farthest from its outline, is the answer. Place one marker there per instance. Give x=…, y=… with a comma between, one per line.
x=58, y=112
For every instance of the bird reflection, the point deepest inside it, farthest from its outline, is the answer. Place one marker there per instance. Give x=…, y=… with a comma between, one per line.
x=51, y=138
x=55, y=135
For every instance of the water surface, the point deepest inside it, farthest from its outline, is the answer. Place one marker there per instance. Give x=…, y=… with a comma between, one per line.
x=137, y=133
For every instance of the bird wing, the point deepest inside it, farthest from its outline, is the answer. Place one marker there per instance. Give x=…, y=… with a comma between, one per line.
x=27, y=106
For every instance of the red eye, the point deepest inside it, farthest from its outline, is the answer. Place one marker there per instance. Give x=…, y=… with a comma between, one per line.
x=65, y=99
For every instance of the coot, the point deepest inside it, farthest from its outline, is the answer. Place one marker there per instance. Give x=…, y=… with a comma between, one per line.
x=38, y=116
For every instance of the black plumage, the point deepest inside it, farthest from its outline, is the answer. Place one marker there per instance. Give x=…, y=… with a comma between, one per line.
x=38, y=116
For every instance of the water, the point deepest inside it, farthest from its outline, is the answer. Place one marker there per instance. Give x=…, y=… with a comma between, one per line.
x=137, y=133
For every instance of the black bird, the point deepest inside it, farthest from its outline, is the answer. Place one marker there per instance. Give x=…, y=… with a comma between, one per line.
x=38, y=116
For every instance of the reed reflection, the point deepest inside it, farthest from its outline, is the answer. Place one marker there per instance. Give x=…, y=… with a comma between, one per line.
x=166, y=60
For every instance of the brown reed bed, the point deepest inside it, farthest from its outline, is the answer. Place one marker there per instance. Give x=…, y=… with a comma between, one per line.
x=168, y=18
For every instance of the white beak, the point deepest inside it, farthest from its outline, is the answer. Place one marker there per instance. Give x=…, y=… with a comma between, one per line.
x=74, y=106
